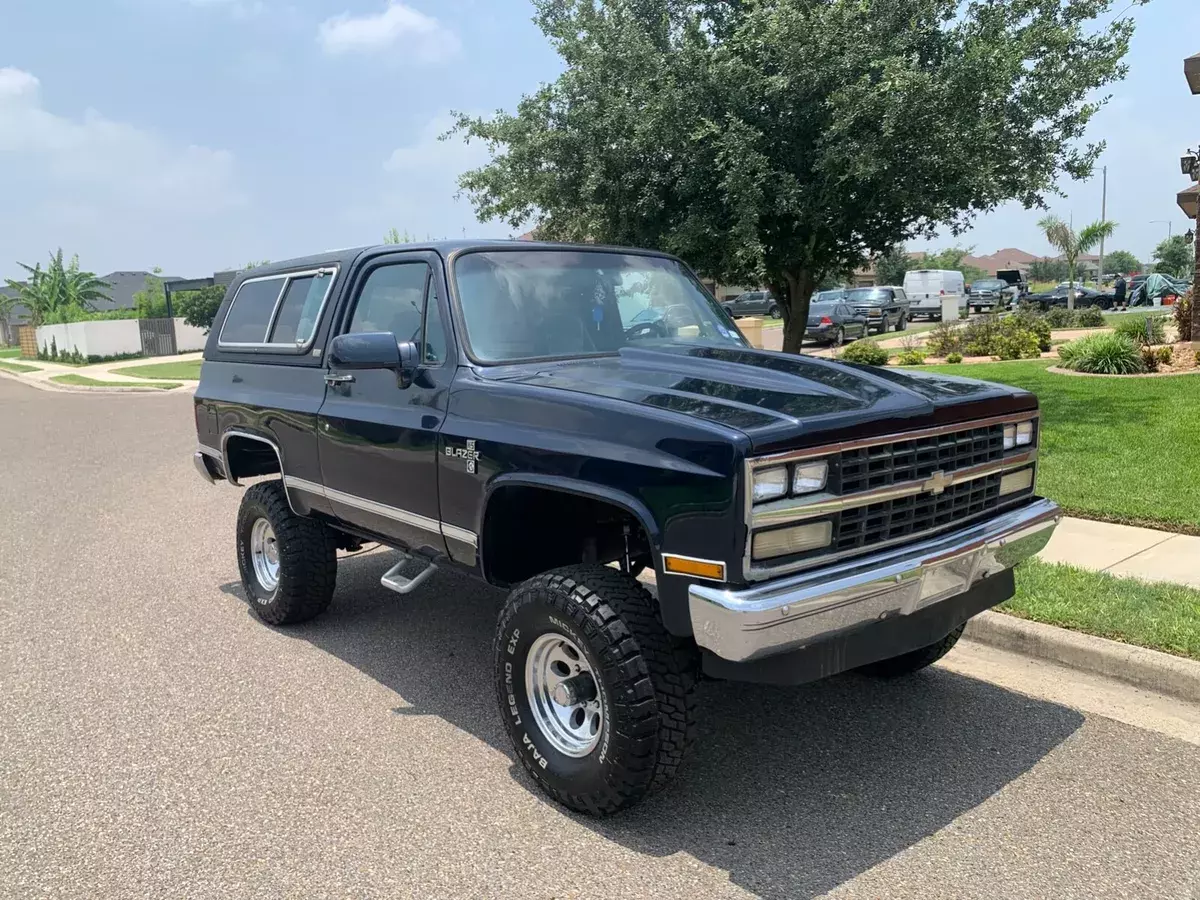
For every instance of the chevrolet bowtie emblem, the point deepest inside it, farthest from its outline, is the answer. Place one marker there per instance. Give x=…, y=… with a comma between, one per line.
x=937, y=483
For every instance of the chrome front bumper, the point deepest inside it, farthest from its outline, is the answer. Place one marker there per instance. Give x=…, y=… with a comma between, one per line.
x=791, y=613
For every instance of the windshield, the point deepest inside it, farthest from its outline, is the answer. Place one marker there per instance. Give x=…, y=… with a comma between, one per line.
x=533, y=304
x=868, y=295
x=989, y=284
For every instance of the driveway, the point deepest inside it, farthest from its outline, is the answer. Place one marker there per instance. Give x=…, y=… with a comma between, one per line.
x=158, y=741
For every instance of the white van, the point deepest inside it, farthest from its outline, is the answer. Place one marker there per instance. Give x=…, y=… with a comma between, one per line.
x=926, y=288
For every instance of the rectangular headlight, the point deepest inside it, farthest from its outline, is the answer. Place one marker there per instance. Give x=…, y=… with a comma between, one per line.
x=770, y=484
x=809, y=477
x=797, y=539
x=1019, y=435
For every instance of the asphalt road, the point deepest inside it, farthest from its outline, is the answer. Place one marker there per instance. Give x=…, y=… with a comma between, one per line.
x=157, y=741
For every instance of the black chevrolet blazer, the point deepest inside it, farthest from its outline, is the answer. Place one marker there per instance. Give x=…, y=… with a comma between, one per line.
x=586, y=428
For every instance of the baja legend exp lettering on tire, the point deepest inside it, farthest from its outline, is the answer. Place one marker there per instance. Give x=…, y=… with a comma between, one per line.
x=601, y=731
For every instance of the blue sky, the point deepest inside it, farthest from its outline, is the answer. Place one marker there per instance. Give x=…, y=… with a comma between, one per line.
x=200, y=134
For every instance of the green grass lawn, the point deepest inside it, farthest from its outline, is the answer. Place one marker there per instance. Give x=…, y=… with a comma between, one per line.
x=1159, y=616
x=10, y=352
x=17, y=368
x=84, y=381
x=1121, y=450
x=187, y=369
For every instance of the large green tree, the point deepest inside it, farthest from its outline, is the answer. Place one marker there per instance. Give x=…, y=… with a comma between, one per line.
x=1071, y=244
x=199, y=308
x=1122, y=262
x=893, y=265
x=785, y=140
x=1175, y=256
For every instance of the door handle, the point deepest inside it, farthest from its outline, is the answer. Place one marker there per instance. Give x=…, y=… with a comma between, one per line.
x=332, y=378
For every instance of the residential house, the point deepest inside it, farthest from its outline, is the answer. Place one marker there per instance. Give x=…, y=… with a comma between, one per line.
x=120, y=296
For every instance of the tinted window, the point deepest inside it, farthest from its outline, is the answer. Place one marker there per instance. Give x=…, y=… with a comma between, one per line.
x=393, y=300
x=869, y=295
x=300, y=308
x=823, y=309
x=435, y=331
x=250, y=313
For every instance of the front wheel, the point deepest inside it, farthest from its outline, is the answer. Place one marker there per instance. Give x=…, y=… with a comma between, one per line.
x=598, y=699
x=908, y=663
x=288, y=563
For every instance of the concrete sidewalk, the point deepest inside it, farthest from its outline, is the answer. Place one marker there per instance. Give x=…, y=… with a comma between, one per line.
x=105, y=371
x=1127, y=551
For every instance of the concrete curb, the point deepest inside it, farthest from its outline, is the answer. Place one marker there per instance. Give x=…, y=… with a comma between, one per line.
x=44, y=384
x=1149, y=669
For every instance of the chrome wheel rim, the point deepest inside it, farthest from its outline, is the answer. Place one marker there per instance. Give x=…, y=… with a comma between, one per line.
x=563, y=695
x=264, y=554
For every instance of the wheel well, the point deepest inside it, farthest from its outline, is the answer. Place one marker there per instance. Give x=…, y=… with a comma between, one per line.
x=529, y=530
x=247, y=457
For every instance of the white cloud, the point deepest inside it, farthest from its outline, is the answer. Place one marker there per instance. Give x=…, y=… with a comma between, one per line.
x=100, y=161
x=416, y=189
x=420, y=38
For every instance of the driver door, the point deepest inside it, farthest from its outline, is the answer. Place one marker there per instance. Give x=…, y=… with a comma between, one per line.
x=378, y=440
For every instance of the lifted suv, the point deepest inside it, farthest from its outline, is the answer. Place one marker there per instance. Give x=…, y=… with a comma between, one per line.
x=513, y=411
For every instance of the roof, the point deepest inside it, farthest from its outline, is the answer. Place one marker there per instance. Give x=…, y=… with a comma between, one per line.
x=442, y=248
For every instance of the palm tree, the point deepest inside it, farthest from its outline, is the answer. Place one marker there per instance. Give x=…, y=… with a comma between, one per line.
x=1070, y=243
x=57, y=288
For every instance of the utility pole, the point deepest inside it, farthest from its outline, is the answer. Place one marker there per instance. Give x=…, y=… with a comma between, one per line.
x=1103, y=218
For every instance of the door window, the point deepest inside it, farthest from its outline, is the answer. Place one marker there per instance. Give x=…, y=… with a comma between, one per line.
x=394, y=299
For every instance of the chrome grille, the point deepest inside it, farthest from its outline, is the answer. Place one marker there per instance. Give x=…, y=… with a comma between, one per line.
x=881, y=522
x=867, y=468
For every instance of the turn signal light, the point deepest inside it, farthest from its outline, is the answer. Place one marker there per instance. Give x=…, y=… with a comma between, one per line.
x=701, y=568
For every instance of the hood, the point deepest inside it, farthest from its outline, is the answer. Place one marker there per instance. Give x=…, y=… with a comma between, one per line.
x=779, y=401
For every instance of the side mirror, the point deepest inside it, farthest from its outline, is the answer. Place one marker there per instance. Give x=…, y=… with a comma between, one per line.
x=375, y=350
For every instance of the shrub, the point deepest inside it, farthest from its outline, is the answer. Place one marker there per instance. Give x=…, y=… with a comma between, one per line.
x=1061, y=317
x=1134, y=328
x=980, y=335
x=1014, y=341
x=868, y=353
x=944, y=339
x=1149, y=359
x=1102, y=354
x=1183, y=315
x=954, y=358
x=1091, y=317
x=1165, y=354
x=911, y=358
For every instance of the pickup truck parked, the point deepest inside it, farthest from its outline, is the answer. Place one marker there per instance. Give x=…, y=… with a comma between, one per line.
x=884, y=307
x=506, y=409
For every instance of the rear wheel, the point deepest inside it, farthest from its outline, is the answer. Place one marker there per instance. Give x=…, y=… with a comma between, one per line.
x=902, y=323
x=908, y=663
x=598, y=699
x=775, y=313
x=839, y=337
x=288, y=563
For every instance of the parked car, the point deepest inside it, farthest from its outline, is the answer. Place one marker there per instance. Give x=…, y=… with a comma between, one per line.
x=753, y=303
x=832, y=322
x=927, y=288
x=1084, y=296
x=492, y=408
x=885, y=307
x=989, y=294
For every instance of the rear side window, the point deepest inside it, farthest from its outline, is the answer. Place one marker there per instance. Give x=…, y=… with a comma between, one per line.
x=250, y=314
x=280, y=311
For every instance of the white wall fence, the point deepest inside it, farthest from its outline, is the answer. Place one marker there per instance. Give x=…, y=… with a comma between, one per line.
x=115, y=337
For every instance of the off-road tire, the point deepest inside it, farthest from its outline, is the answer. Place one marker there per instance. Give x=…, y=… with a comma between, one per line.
x=307, y=558
x=646, y=684
x=908, y=663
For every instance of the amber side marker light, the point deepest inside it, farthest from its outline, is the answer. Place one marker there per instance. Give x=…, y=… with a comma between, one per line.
x=701, y=568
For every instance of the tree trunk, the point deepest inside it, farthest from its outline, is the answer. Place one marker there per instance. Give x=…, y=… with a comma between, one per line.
x=800, y=284
x=1071, y=285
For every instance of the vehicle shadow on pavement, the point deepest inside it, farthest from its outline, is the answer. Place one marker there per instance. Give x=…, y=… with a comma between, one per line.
x=792, y=791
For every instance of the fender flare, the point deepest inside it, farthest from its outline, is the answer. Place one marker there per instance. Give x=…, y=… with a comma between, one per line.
x=562, y=484
x=262, y=439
